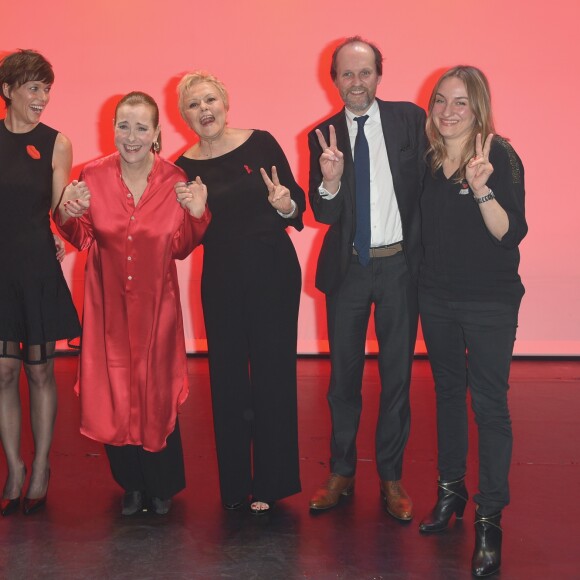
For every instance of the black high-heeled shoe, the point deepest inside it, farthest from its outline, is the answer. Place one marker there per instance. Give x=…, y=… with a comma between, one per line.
x=261, y=512
x=234, y=506
x=237, y=505
x=11, y=506
x=452, y=497
x=32, y=505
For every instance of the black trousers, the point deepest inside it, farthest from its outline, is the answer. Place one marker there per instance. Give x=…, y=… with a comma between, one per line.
x=251, y=294
x=160, y=474
x=470, y=344
x=386, y=284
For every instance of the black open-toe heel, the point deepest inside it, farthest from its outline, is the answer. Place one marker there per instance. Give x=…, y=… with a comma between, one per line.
x=238, y=505
x=261, y=512
x=234, y=506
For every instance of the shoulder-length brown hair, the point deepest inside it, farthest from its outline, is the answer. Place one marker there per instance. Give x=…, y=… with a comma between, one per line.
x=479, y=98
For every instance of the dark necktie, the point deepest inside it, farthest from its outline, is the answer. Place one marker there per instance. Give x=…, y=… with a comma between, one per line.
x=362, y=177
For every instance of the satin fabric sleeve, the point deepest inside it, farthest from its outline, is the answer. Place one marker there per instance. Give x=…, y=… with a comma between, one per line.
x=190, y=234
x=133, y=371
x=77, y=231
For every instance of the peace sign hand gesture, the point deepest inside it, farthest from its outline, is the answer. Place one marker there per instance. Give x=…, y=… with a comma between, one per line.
x=479, y=168
x=331, y=160
x=278, y=194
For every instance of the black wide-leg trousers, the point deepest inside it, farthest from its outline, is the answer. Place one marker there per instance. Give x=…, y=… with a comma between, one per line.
x=157, y=474
x=251, y=294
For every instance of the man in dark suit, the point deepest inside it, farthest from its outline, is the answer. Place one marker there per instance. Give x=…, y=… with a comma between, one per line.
x=366, y=169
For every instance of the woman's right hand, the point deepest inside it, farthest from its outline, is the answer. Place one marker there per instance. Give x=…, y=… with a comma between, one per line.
x=76, y=199
x=479, y=167
x=192, y=196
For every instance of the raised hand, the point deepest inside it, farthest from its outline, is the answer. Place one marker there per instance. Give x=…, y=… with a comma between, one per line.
x=192, y=196
x=479, y=168
x=331, y=160
x=76, y=199
x=278, y=194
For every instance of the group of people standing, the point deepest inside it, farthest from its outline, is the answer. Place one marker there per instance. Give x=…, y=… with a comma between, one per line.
x=425, y=215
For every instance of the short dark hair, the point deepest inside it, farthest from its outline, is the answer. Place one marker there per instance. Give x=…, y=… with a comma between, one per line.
x=351, y=40
x=23, y=67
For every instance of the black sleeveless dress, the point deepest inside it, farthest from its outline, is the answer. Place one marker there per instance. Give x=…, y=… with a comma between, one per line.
x=36, y=306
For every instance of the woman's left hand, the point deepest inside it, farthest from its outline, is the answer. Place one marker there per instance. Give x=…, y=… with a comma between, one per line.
x=192, y=196
x=278, y=194
x=479, y=168
x=60, y=249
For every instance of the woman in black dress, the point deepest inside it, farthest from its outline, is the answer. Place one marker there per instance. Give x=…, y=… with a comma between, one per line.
x=250, y=293
x=469, y=295
x=36, y=308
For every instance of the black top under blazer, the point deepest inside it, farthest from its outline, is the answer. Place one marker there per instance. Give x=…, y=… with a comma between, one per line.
x=404, y=132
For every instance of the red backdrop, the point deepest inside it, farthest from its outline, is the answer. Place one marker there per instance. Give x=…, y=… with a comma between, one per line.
x=274, y=58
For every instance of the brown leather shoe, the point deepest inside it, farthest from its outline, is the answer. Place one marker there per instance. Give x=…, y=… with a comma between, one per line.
x=397, y=502
x=327, y=497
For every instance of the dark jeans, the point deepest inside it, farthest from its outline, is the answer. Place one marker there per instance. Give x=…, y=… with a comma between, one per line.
x=160, y=474
x=470, y=344
x=386, y=284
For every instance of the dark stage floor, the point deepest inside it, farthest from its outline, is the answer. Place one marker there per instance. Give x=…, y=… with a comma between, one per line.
x=82, y=535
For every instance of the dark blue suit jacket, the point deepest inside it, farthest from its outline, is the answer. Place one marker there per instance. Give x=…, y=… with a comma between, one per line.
x=404, y=132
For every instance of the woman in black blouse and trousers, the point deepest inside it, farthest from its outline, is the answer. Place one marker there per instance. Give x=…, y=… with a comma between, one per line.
x=470, y=292
x=251, y=286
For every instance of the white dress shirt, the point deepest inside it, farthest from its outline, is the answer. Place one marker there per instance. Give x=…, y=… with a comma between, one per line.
x=386, y=225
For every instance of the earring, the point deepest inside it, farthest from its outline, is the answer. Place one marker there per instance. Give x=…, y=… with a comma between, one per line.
x=156, y=146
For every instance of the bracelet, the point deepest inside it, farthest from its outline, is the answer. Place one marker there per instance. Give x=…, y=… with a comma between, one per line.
x=485, y=198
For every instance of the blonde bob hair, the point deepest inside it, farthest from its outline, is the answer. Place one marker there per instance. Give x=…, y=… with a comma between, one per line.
x=479, y=98
x=191, y=79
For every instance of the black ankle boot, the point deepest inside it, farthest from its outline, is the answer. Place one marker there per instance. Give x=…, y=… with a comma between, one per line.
x=487, y=552
x=451, y=499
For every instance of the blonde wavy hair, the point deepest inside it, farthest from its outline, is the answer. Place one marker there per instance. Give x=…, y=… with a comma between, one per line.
x=479, y=97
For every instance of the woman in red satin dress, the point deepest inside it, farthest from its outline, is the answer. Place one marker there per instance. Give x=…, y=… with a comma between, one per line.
x=132, y=372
